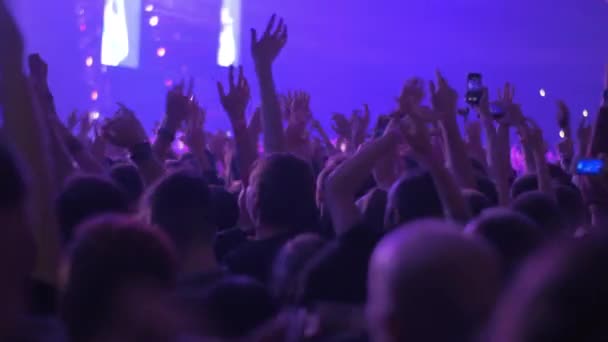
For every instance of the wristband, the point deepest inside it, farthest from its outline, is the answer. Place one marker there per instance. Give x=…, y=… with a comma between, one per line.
x=141, y=152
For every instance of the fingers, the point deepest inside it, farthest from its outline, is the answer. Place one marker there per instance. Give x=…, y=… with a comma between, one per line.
x=220, y=90
x=231, y=79
x=254, y=37
x=279, y=29
x=271, y=25
x=432, y=88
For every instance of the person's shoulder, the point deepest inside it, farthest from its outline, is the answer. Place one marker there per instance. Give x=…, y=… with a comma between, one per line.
x=361, y=234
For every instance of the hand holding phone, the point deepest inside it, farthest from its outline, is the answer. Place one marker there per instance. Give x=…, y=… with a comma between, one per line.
x=474, y=89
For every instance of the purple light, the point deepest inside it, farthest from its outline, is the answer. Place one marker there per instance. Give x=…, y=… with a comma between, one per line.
x=161, y=52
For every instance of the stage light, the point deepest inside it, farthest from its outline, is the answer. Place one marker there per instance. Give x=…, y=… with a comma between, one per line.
x=180, y=145
x=161, y=52
x=83, y=27
x=168, y=83
x=542, y=92
x=229, y=134
x=94, y=95
x=149, y=8
x=585, y=113
x=562, y=134
x=94, y=115
x=153, y=20
x=89, y=61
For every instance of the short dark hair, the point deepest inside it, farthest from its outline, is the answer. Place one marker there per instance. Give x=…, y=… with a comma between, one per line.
x=180, y=205
x=413, y=197
x=233, y=306
x=476, y=201
x=571, y=206
x=84, y=197
x=513, y=235
x=108, y=253
x=128, y=178
x=523, y=184
x=12, y=182
x=284, y=188
x=542, y=209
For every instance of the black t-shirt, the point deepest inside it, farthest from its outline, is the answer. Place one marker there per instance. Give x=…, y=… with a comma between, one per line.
x=255, y=257
x=227, y=241
x=201, y=280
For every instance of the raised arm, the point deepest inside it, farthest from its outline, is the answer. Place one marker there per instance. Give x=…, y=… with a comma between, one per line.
x=444, y=100
x=265, y=51
x=234, y=103
x=23, y=123
x=124, y=130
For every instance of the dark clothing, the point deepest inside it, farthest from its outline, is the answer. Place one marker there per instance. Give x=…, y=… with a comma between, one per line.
x=255, y=257
x=227, y=241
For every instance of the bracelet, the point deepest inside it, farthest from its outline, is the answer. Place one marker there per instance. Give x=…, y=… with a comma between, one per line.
x=141, y=152
x=165, y=134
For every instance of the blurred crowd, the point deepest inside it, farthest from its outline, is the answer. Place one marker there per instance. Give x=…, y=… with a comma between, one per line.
x=413, y=226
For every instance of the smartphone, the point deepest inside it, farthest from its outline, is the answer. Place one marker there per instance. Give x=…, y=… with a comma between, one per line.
x=496, y=111
x=590, y=167
x=474, y=89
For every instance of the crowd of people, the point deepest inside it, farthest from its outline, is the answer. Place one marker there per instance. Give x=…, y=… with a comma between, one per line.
x=410, y=230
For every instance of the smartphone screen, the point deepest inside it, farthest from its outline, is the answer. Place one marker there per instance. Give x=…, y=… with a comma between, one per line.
x=474, y=89
x=590, y=167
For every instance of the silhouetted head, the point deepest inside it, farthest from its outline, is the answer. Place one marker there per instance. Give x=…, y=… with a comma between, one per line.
x=232, y=307
x=571, y=206
x=289, y=263
x=180, y=205
x=476, y=201
x=542, y=209
x=513, y=235
x=429, y=282
x=84, y=197
x=412, y=197
x=127, y=177
x=121, y=275
x=17, y=245
x=560, y=295
x=523, y=184
x=281, y=193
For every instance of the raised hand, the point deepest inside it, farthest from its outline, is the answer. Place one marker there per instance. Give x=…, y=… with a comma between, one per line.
x=360, y=124
x=177, y=108
x=124, y=129
x=194, y=135
x=412, y=95
x=267, y=48
x=341, y=125
x=39, y=70
x=238, y=96
x=255, y=125
x=443, y=97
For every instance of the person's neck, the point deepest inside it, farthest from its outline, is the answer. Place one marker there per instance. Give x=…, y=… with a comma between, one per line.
x=199, y=259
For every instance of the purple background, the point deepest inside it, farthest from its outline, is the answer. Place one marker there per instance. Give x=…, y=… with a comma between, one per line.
x=346, y=53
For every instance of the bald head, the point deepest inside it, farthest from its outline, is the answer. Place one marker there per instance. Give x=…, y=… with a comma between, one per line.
x=428, y=282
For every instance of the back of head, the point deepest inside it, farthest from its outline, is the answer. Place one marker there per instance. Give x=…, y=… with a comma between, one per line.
x=127, y=177
x=282, y=194
x=84, y=197
x=560, y=295
x=225, y=208
x=115, y=260
x=231, y=307
x=542, y=209
x=523, y=184
x=289, y=263
x=571, y=206
x=180, y=204
x=412, y=197
x=513, y=235
x=477, y=201
x=428, y=282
